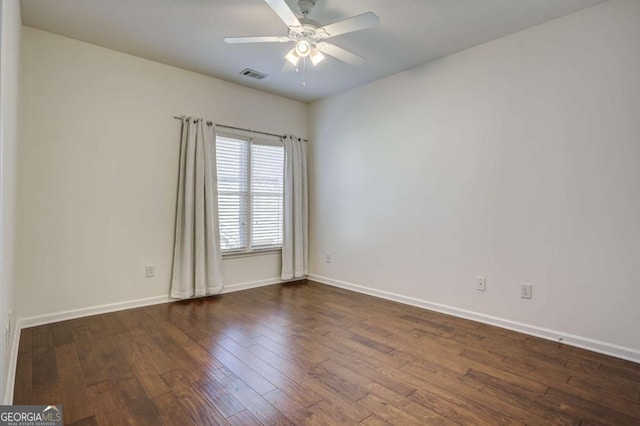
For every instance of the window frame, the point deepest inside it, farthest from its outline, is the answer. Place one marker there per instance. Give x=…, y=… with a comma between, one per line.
x=251, y=139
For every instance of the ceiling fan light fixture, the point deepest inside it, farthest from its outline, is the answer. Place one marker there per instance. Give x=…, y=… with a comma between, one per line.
x=303, y=48
x=292, y=57
x=316, y=56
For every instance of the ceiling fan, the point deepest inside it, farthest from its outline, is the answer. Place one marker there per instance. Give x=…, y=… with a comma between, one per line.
x=310, y=36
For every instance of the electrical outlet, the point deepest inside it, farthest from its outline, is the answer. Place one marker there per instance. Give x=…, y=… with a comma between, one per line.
x=327, y=258
x=481, y=283
x=150, y=271
x=526, y=291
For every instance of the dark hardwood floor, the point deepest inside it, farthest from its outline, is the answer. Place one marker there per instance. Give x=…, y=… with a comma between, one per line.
x=312, y=354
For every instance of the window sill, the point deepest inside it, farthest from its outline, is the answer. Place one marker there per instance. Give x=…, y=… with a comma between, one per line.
x=240, y=254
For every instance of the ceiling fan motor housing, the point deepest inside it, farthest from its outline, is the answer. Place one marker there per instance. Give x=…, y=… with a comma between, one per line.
x=305, y=6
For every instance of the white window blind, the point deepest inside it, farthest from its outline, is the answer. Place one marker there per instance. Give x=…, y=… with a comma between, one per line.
x=233, y=192
x=250, y=194
x=266, y=195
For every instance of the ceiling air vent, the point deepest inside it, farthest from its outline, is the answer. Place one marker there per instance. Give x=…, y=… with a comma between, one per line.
x=253, y=73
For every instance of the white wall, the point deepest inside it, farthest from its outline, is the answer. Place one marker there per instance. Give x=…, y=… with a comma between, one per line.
x=10, y=23
x=98, y=170
x=517, y=160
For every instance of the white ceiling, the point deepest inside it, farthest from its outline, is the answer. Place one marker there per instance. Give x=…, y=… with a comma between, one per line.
x=188, y=34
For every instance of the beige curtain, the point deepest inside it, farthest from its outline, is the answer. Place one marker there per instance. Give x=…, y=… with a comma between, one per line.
x=197, y=259
x=295, y=240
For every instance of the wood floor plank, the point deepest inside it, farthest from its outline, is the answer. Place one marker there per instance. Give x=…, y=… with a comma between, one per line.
x=395, y=414
x=295, y=392
x=26, y=341
x=91, y=362
x=42, y=336
x=218, y=396
x=142, y=365
x=77, y=403
x=243, y=418
x=24, y=380
x=502, y=374
x=517, y=367
x=193, y=349
x=307, y=353
x=312, y=353
x=449, y=405
x=330, y=412
x=369, y=386
x=61, y=333
x=47, y=393
x=106, y=343
x=43, y=356
x=44, y=367
x=348, y=390
x=290, y=408
x=132, y=321
x=373, y=373
x=252, y=378
x=149, y=350
x=170, y=410
x=596, y=396
x=108, y=408
x=259, y=408
x=619, y=390
x=374, y=420
x=116, y=366
x=527, y=400
x=297, y=371
x=197, y=407
x=175, y=357
x=587, y=410
x=455, y=383
x=89, y=421
x=138, y=407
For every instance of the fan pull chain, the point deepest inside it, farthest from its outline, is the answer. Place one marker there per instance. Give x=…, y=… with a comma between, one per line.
x=304, y=72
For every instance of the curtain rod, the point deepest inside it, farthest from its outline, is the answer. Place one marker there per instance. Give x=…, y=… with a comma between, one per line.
x=245, y=130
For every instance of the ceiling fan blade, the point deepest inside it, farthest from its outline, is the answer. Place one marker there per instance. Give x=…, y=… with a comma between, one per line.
x=360, y=22
x=259, y=39
x=340, y=53
x=281, y=8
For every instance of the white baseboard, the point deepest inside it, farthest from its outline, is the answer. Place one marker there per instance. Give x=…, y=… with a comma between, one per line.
x=617, y=351
x=91, y=310
x=252, y=284
x=11, y=371
x=130, y=304
x=95, y=310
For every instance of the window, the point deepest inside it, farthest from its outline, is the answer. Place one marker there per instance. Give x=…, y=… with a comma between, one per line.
x=250, y=194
